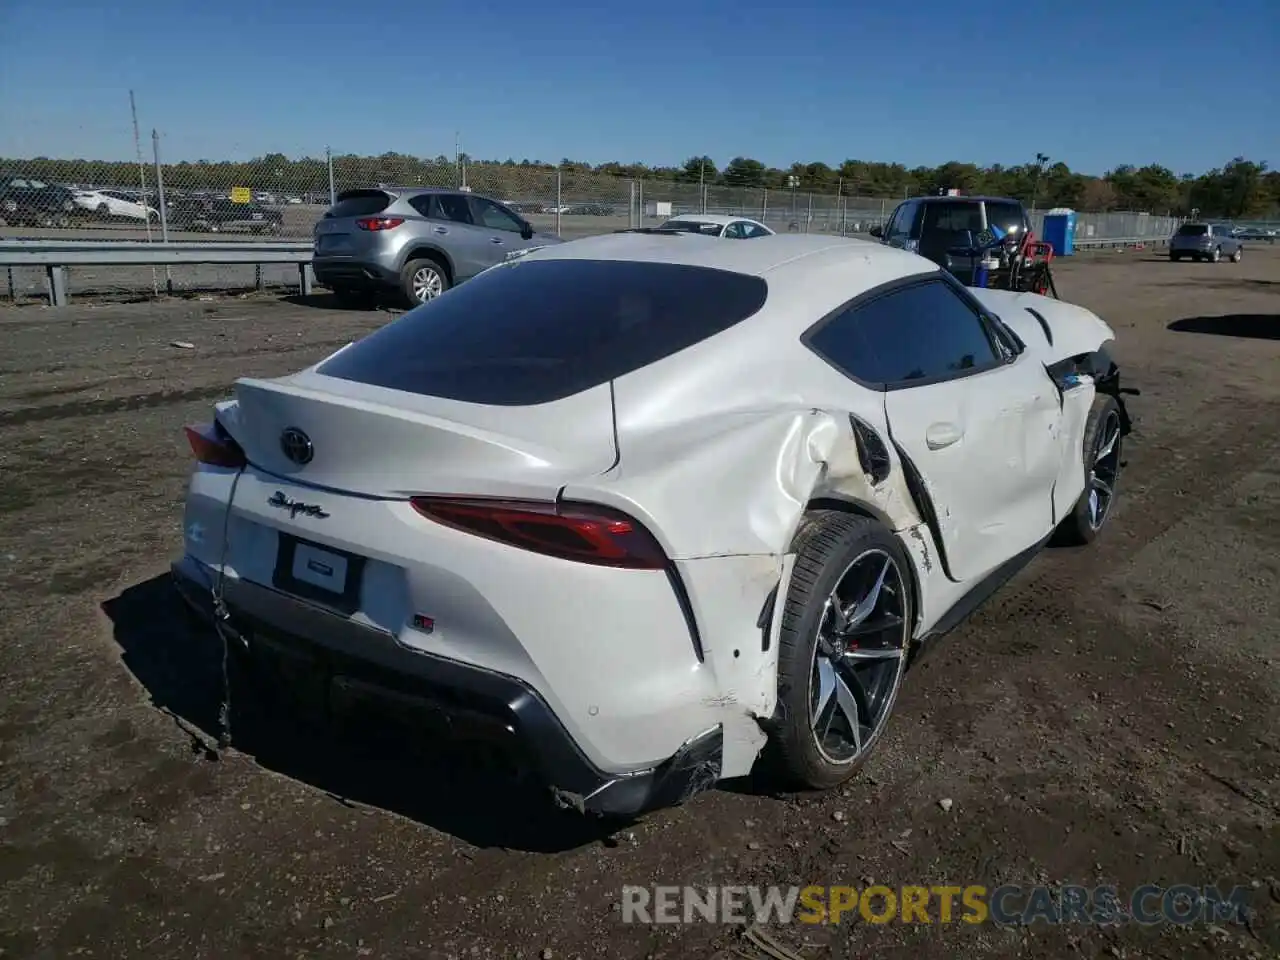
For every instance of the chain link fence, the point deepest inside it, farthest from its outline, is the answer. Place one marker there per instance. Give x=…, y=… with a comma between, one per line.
x=278, y=197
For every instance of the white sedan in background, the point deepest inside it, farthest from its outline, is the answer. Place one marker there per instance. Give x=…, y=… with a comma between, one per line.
x=114, y=203
x=717, y=225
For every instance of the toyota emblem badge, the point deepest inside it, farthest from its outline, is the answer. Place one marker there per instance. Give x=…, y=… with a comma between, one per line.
x=297, y=446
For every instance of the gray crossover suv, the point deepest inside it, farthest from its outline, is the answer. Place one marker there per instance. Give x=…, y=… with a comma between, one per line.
x=418, y=242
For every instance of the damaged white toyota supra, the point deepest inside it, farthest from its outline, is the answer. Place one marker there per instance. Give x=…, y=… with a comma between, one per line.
x=649, y=511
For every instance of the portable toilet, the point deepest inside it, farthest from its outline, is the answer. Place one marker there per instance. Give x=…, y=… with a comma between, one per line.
x=1060, y=231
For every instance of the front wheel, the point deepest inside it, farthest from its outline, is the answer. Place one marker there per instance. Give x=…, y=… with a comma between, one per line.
x=1216, y=255
x=1101, y=452
x=843, y=647
x=1175, y=257
x=1236, y=257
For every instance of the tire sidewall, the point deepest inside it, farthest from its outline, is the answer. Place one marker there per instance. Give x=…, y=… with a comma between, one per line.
x=798, y=642
x=1103, y=405
x=406, y=279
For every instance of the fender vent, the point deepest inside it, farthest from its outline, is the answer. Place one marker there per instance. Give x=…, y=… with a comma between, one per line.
x=1044, y=325
x=873, y=455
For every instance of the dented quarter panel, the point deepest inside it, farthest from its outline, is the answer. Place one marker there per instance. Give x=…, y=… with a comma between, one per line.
x=762, y=468
x=727, y=595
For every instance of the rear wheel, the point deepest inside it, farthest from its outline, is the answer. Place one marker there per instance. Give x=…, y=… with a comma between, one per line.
x=1101, y=452
x=1216, y=255
x=1175, y=257
x=843, y=647
x=1236, y=257
x=422, y=280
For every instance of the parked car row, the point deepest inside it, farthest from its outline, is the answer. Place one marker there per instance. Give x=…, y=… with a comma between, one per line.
x=418, y=243
x=25, y=201
x=568, y=210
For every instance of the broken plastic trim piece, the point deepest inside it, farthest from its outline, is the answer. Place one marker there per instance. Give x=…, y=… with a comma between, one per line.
x=765, y=621
x=873, y=456
x=693, y=769
x=924, y=506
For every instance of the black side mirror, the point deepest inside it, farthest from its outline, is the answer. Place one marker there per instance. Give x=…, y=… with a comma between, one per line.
x=526, y=230
x=877, y=231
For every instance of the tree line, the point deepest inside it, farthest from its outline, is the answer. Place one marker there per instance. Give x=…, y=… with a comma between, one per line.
x=1240, y=188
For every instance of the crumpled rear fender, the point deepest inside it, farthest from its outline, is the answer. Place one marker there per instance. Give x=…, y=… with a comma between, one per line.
x=725, y=495
x=739, y=484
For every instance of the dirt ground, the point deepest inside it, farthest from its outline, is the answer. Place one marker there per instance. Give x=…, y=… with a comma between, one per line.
x=1111, y=716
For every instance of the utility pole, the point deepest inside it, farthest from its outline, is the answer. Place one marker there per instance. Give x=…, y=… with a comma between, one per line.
x=459, y=161
x=1041, y=160
x=142, y=180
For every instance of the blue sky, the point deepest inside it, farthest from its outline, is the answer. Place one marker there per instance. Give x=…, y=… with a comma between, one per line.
x=1094, y=84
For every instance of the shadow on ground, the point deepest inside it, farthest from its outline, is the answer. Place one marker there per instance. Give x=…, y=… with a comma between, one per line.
x=1256, y=326
x=370, y=760
x=327, y=301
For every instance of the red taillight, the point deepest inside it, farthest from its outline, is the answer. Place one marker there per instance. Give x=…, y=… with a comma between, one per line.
x=213, y=445
x=379, y=223
x=571, y=531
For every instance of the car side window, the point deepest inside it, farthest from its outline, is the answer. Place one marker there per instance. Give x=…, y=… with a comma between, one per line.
x=734, y=231
x=755, y=230
x=903, y=218
x=912, y=335
x=442, y=206
x=489, y=214
x=891, y=224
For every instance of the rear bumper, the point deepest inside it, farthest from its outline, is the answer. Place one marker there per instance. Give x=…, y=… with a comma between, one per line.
x=349, y=272
x=472, y=701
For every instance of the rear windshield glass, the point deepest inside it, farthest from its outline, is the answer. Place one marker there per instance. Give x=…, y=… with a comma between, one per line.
x=693, y=226
x=952, y=217
x=1192, y=230
x=362, y=204
x=1004, y=215
x=534, y=332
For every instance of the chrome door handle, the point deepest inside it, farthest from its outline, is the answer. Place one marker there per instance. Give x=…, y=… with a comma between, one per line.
x=442, y=229
x=495, y=240
x=941, y=435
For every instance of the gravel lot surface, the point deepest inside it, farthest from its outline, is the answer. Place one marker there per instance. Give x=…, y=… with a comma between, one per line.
x=1111, y=716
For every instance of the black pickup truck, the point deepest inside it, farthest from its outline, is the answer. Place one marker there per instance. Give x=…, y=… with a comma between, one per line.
x=217, y=214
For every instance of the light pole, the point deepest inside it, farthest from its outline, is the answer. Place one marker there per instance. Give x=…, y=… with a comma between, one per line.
x=1041, y=160
x=793, y=181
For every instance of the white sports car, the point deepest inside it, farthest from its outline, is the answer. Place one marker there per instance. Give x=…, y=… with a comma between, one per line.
x=641, y=508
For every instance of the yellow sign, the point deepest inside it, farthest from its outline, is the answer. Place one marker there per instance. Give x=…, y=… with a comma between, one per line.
x=241, y=195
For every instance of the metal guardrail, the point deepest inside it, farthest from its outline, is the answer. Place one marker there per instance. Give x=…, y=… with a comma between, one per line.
x=56, y=255
x=1119, y=242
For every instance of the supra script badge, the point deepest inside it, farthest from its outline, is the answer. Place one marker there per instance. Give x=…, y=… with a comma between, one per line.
x=295, y=507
